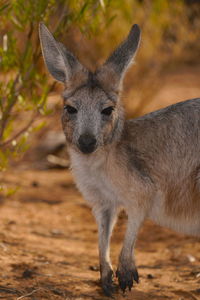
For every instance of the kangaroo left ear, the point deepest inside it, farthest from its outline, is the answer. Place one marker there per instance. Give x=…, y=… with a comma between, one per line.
x=60, y=62
x=115, y=67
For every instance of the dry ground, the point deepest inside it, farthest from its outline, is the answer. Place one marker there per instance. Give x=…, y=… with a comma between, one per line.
x=48, y=238
x=49, y=247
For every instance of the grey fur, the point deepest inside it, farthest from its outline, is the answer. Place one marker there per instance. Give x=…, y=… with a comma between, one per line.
x=150, y=166
x=124, y=53
x=136, y=162
x=59, y=61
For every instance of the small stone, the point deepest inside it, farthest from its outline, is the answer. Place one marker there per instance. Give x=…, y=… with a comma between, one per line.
x=28, y=273
x=191, y=258
x=94, y=268
x=150, y=276
x=35, y=184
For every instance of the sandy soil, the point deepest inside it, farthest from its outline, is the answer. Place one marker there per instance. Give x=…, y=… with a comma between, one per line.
x=48, y=245
x=48, y=241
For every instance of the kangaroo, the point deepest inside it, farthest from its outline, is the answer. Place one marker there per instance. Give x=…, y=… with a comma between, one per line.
x=149, y=166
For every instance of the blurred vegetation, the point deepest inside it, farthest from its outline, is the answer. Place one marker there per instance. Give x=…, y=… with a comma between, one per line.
x=23, y=87
x=170, y=33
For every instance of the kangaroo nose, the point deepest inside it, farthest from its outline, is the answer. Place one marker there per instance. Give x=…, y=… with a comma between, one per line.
x=87, y=143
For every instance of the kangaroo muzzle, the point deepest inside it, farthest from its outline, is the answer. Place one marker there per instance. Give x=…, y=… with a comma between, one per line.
x=87, y=143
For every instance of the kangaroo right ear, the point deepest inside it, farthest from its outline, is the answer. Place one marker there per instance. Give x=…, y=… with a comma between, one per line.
x=61, y=64
x=115, y=67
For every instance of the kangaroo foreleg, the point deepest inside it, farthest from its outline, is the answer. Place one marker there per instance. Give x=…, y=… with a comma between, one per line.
x=105, y=218
x=127, y=271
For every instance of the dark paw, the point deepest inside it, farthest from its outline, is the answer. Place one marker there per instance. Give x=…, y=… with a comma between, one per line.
x=126, y=278
x=107, y=284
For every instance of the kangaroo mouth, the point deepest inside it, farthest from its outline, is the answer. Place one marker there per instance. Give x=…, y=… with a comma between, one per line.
x=87, y=149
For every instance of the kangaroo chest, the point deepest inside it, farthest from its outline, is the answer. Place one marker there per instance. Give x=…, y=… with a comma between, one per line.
x=94, y=181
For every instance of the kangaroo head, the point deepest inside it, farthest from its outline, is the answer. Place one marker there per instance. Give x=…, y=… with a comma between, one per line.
x=92, y=113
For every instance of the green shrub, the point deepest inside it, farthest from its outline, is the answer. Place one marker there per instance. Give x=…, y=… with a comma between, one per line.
x=23, y=86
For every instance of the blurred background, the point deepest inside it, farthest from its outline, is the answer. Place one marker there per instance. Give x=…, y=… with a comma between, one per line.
x=35, y=184
x=166, y=68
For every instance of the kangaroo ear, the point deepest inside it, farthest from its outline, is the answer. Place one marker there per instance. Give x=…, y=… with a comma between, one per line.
x=59, y=61
x=116, y=65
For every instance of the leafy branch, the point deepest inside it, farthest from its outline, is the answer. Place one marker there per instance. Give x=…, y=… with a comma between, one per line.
x=23, y=85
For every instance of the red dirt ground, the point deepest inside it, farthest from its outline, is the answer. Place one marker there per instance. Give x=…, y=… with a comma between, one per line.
x=49, y=247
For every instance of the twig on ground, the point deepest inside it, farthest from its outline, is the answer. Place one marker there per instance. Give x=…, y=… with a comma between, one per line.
x=29, y=294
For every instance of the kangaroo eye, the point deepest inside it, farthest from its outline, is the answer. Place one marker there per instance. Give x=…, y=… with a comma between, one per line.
x=107, y=111
x=70, y=109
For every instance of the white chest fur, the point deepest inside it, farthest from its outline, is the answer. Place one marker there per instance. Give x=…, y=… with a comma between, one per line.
x=93, y=180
